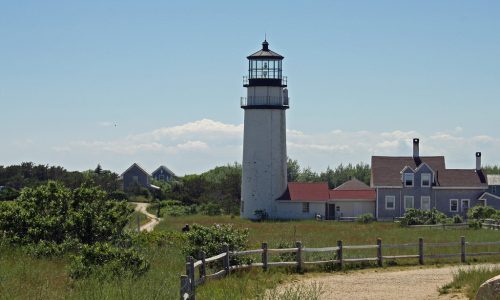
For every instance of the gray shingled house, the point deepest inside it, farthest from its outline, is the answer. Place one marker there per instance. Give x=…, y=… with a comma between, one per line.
x=163, y=174
x=135, y=176
x=424, y=182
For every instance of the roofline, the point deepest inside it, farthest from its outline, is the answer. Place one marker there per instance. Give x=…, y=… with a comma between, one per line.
x=162, y=166
x=135, y=164
x=489, y=194
x=460, y=187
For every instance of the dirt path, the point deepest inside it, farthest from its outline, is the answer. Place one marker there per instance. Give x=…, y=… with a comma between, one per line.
x=153, y=220
x=412, y=283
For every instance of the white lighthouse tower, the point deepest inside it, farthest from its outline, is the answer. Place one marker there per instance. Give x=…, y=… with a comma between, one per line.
x=264, y=176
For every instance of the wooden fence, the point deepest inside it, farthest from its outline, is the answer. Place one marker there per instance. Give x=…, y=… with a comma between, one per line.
x=190, y=281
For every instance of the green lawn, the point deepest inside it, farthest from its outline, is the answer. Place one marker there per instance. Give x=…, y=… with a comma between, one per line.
x=23, y=277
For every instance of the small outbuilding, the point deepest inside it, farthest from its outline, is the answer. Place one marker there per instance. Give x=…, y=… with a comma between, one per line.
x=351, y=199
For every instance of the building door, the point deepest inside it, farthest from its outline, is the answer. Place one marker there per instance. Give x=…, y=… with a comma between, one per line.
x=331, y=211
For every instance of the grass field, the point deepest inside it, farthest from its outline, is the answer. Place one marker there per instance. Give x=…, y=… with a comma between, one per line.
x=23, y=277
x=469, y=281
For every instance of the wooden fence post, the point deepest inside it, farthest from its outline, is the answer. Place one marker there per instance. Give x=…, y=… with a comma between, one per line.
x=203, y=269
x=190, y=274
x=264, y=256
x=462, y=246
x=379, y=252
x=298, y=256
x=185, y=293
x=421, y=251
x=225, y=260
x=340, y=254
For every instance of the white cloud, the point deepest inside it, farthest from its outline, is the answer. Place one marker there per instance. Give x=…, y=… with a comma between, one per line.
x=203, y=144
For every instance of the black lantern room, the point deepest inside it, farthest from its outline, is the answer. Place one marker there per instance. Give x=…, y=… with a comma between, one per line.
x=265, y=68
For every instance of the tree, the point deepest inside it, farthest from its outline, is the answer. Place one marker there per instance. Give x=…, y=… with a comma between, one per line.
x=293, y=170
x=98, y=169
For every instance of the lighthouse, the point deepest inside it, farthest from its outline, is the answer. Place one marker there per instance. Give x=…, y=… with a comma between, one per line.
x=264, y=177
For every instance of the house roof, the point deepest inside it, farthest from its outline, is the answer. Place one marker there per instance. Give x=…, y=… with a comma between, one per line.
x=302, y=191
x=461, y=178
x=493, y=179
x=353, y=189
x=136, y=165
x=354, y=195
x=486, y=196
x=165, y=169
x=353, y=184
x=386, y=169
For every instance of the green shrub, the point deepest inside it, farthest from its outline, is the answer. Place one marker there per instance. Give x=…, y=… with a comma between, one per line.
x=475, y=224
x=210, y=239
x=118, y=195
x=211, y=209
x=414, y=216
x=365, y=218
x=479, y=212
x=52, y=220
x=457, y=219
x=8, y=194
x=176, y=208
x=109, y=261
x=261, y=214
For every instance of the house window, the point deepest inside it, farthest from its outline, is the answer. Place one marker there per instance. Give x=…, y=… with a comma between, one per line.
x=161, y=177
x=408, y=202
x=425, y=203
x=305, y=207
x=390, y=202
x=426, y=180
x=453, y=205
x=135, y=178
x=465, y=205
x=408, y=179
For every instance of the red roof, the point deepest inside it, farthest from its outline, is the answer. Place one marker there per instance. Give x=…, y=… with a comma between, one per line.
x=301, y=191
x=367, y=195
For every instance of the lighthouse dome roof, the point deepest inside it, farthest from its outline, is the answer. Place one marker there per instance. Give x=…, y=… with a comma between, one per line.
x=265, y=53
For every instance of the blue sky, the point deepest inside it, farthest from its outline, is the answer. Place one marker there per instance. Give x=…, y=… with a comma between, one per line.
x=364, y=77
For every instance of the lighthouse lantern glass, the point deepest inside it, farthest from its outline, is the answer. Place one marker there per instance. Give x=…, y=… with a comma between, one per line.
x=264, y=68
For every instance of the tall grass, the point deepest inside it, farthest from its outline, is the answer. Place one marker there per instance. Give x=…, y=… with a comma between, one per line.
x=469, y=280
x=24, y=277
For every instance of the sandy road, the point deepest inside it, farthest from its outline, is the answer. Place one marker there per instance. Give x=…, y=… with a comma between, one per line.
x=153, y=220
x=412, y=283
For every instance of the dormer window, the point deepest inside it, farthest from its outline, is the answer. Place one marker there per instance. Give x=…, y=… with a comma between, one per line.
x=408, y=179
x=426, y=180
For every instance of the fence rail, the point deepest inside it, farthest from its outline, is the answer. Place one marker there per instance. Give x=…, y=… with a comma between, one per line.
x=189, y=282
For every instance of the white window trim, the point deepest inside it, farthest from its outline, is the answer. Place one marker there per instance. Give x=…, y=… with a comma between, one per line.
x=422, y=202
x=305, y=207
x=390, y=199
x=422, y=179
x=412, y=202
x=451, y=200
x=412, y=179
x=462, y=203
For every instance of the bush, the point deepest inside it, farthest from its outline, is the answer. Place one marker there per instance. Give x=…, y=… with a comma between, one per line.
x=475, y=224
x=457, y=219
x=481, y=212
x=261, y=214
x=176, y=208
x=53, y=220
x=8, y=194
x=210, y=239
x=414, y=216
x=365, y=218
x=118, y=195
x=112, y=262
x=211, y=209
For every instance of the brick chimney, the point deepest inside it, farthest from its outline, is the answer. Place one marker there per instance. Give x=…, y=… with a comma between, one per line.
x=416, y=147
